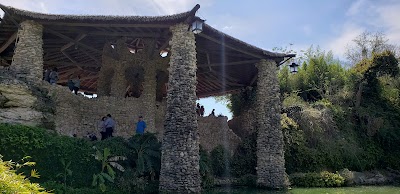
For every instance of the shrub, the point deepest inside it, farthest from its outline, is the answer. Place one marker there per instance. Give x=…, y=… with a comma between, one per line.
x=244, y=160
x=220, y=161
x=11, y=182
x=207, y=180
x=47, y=148
x=322, y=179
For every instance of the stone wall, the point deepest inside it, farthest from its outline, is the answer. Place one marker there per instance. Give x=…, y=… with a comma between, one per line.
x=27, y=61
x=270, y=152
x=244, y=124
x=215, y=131
x=76, y=114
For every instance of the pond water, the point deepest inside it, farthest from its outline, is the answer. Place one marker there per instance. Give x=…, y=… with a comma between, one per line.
x=342, y=190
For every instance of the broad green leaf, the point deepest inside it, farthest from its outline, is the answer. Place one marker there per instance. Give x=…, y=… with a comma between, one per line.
x=117, y=166
x=94, y=182
x=108, y=177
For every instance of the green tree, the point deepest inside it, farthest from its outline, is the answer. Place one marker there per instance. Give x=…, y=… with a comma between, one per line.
x=107, y=163
x=147, y=154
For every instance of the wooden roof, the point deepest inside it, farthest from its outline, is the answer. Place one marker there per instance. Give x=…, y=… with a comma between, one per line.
x=75, y=43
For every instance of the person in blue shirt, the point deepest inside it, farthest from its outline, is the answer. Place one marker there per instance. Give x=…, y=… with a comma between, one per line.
x=140, y=126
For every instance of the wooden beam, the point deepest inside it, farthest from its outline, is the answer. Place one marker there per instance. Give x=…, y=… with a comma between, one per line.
x=231, y=47
x=253, y=80
x=72, y=40
x=220, y=93
x=78, y=43
x=229, y=63
x=8, y=42
x=70, y=64
x=77, y=39
x=5, y=10
x=230, y=79
x=4, y=62
x=109, y=25
x=134, y=34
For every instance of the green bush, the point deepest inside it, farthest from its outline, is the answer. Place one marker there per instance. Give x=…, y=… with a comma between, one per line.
x=47, y=148
x=322, y=179
x=220, y=161
x=244, y=160
x=11, y=182
x=207, y=180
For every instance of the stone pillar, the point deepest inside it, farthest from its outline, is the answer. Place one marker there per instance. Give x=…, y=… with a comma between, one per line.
x=118, y=82
x=27, y=61
x=106, y=73
x=150, y=85
x=180, y=146
x=270, y=150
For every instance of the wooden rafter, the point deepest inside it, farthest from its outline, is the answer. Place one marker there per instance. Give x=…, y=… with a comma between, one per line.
x=8, y=42
x=77, y=39
x=76, y=42
x=229, y=63
x=231, y=47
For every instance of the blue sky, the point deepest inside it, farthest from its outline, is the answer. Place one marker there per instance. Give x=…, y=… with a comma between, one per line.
x=332, y=25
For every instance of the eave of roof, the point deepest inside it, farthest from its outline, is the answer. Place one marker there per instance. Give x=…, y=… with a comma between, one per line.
x=175, y=18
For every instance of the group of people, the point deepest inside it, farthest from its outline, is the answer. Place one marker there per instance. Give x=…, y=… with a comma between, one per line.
x=51, y=76
x=200, y=110
x=107, y=127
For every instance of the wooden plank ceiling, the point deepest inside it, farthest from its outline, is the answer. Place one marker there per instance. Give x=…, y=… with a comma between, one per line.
x=225, y=64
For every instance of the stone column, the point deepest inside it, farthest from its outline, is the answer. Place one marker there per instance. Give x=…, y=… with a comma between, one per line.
x=150, y=85
x=180, y=146
x=27, y=61
x=270, y=151
x=106, y=72
x=118, y=82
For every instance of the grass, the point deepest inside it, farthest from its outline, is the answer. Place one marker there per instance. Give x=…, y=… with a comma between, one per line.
x=348, y=190
x=341, y=190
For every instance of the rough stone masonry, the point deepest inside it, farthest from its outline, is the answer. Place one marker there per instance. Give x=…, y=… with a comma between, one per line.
x=180, y=147
x=27, y=61
x=270, y=153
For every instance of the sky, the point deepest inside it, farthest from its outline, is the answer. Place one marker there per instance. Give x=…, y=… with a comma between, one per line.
x=295, y=24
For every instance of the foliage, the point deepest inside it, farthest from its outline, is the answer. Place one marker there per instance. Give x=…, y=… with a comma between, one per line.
x=244, y=160
x=108, y=162
x=207, y=180
x=322, y=179
x=220, y=161
x=67, y=172
x=242, y=100
x=146, y=154
x=132, y=182
x=11, y=182
x=366, y=44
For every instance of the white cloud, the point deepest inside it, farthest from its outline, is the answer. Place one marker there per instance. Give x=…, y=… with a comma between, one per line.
x=346, y=35
x=355, y=7
x=367, y=15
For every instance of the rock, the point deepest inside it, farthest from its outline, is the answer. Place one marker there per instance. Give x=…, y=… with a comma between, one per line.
x=16, y=95
x=24, y=116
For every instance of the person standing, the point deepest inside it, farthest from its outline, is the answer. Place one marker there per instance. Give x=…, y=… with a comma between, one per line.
x=109, y=124
x=102, y=128
x=53, y=76
x=77, y=84
x=140, y=126
x=202, y=111
x=47, y=75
